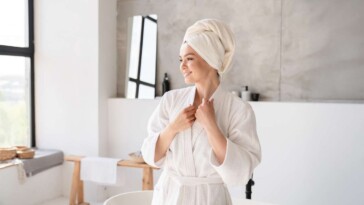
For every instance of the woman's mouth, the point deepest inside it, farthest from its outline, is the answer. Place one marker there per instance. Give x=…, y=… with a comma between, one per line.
x=187, y=74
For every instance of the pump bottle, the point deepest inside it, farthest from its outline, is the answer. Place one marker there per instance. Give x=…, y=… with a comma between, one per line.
x=165, y=84
x=245, y=94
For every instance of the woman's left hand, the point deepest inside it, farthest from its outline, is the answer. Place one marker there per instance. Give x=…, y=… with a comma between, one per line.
x=205, y=113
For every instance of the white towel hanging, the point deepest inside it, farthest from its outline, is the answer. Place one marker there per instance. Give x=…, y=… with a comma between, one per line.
x=99, y=170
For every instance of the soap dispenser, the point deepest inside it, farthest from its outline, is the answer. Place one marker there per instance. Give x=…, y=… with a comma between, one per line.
x=165, y=84
x=245, y=94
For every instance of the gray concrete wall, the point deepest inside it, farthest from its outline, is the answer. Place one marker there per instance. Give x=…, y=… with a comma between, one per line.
x=286, y=50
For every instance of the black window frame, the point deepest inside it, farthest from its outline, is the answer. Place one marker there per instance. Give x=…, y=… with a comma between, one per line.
x=137, y=80
x=27, y=52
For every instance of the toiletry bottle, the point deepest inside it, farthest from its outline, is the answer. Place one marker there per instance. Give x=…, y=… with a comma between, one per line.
x=165, y=84
x=245, y=94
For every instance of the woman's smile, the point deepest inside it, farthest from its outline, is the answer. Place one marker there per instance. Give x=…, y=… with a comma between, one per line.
x=186, y=74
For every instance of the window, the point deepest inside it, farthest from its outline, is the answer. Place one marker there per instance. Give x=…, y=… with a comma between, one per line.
x=16, y=73
x=142, y=57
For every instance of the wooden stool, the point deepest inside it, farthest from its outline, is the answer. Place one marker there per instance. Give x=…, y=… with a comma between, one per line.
x=76, y=196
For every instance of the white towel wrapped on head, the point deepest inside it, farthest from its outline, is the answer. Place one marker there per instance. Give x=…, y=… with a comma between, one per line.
x=99, y=170
x=214, y=41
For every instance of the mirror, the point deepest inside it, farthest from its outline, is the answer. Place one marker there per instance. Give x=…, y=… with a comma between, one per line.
x=141, y=57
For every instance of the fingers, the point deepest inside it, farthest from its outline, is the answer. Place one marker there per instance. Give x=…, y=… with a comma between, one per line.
x=190, y=108
x=189, y=113
x=192, y=118
x=206, y=102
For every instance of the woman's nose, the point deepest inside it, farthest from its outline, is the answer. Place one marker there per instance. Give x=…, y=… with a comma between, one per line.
x=183, y=65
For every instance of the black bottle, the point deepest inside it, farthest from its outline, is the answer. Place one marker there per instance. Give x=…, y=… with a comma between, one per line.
x=165, y=84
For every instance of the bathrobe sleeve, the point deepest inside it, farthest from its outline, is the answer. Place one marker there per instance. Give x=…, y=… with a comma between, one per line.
x=243, y=152
x=157, y=122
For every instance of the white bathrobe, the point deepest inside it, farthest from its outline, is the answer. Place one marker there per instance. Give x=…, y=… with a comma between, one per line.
x=191, y=174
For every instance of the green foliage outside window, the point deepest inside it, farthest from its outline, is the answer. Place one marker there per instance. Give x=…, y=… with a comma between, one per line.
x=14, y=123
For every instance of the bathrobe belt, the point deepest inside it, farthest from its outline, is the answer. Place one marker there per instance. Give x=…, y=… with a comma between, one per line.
x=193, y=181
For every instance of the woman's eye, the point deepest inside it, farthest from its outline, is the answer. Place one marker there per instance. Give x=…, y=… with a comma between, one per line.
x=189, y=59
x=180, y=60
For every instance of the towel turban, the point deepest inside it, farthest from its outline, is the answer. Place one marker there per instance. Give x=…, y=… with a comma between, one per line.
x=214, y=41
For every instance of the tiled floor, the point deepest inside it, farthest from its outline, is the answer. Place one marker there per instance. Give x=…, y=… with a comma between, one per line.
x=58, y=201
x=62, y=201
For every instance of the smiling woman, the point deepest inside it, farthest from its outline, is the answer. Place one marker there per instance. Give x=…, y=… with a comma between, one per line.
x=203, y=136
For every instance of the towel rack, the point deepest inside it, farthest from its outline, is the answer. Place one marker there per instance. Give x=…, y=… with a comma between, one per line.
x=76, y=196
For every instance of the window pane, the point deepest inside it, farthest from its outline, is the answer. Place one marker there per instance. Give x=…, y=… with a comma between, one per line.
x=14, y=23
x=154, y=16
x=146, y=92
x=131, y=90
x=14, y=101
x=135, y=46
x=149, y=55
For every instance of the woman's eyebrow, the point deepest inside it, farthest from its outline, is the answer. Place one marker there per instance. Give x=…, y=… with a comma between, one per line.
x=187, y=54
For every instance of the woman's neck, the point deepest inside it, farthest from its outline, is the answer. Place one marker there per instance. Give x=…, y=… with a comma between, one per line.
x=205, y=90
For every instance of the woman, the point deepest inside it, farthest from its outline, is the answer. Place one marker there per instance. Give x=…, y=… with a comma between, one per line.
x=203, y=137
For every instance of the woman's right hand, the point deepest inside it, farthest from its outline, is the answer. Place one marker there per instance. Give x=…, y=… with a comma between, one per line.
x=184, y=119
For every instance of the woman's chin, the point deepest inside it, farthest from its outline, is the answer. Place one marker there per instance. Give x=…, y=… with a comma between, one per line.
x=188, y=81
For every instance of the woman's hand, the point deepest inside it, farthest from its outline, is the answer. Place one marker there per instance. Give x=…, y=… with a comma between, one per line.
x=205, y=114
x=184, y=119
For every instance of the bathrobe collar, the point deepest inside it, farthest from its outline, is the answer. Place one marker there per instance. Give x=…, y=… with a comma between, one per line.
x=216, y=95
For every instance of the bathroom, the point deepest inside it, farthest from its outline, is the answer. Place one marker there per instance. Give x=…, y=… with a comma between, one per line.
x=304, y=58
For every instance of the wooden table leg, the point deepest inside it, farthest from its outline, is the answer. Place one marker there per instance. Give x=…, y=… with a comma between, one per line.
x=75, y=183
x=76, y=196
x=147, y=178
x=80, y=193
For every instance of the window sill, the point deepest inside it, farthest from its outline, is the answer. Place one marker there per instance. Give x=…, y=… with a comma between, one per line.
x=43, y=159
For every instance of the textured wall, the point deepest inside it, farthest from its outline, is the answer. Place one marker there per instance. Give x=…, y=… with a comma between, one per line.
x=286, y=50
x=323, y=50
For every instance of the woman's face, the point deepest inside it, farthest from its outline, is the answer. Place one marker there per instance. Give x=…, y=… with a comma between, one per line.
x=194, y=68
